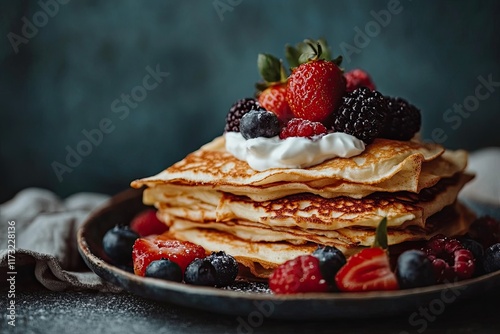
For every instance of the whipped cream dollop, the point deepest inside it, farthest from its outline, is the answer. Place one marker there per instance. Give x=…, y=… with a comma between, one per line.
x=293, y=152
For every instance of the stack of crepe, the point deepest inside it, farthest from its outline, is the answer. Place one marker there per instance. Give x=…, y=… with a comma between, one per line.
x=264, y=218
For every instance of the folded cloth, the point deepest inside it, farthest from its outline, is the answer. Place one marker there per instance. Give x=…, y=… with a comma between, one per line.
x=45, y=236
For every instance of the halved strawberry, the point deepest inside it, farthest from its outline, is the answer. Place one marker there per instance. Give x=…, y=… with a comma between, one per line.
x=368, y=270
x=146, y=223
x=156, y=247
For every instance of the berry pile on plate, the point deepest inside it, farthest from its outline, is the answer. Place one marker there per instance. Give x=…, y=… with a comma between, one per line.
x=438, y=260
x=317, y=98
x=142, y=248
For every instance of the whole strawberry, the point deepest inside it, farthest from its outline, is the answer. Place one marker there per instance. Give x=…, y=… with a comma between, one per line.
x=272, y=91
x=273, y=99
x=147, y=223
x=315, y=88
x=358, y=78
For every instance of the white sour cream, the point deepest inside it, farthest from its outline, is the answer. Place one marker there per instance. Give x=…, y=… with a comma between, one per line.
x=293, y=152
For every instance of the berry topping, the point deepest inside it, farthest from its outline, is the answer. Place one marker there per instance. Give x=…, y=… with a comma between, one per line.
x=450, y=259
x=301, y=274
x=164, y=269
x=274, y=99
x=157, y=247
x=414, y=270
x=368, y=270
x=358, y=78
x=118, y=242
x=331, y=260
x=403, y=120
x=226, y=267
x=236, y=112
x=315, y=87
x=146, y=223
x=200, y=272
x=477, y=251
x=259, y=123
x=361, y=114
x=491, y=260
x=486, y=230
x=272, y=91
x=298, y=127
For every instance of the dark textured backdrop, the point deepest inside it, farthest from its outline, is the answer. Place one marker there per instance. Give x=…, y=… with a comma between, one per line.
x=65, y=65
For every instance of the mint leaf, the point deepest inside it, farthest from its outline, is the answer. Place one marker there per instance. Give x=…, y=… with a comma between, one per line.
x=381, y=235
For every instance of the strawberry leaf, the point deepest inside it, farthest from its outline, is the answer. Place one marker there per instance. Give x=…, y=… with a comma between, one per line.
x=381, y=235
x=292, y=56
x=326, y=53
x=337, y=61
x=269, y=67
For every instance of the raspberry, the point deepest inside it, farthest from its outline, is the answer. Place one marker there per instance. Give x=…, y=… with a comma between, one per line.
x=298, y=127
x=236, y=112
x=403, y=120
x=485, y=230
x=361, y=114
x=450, y=259
x=358, y=78
x=259, y=123
x=301, y=274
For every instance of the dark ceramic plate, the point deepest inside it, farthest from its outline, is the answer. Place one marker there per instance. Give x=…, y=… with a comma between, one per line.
x=254, y=299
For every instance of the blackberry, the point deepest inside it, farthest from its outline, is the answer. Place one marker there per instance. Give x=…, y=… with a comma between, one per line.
x=259, y=123
x=236, y=112
x=361, y=114
x=403, y=119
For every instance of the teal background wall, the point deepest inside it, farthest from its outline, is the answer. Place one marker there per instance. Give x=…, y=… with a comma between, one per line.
x=73, y=72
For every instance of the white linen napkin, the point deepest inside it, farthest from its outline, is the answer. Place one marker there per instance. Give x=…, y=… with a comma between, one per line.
x=45, y=235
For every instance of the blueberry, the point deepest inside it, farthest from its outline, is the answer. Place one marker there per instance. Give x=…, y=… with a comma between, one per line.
x=164, y=269
x=226, y=267
x=331, y=260
x=118, y=243
x=414, y=270
x=491, y=259
x=259, y=123
x=200, y=272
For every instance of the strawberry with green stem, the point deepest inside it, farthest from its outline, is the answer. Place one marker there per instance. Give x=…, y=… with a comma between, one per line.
x=316, y=86
x=272, y=91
